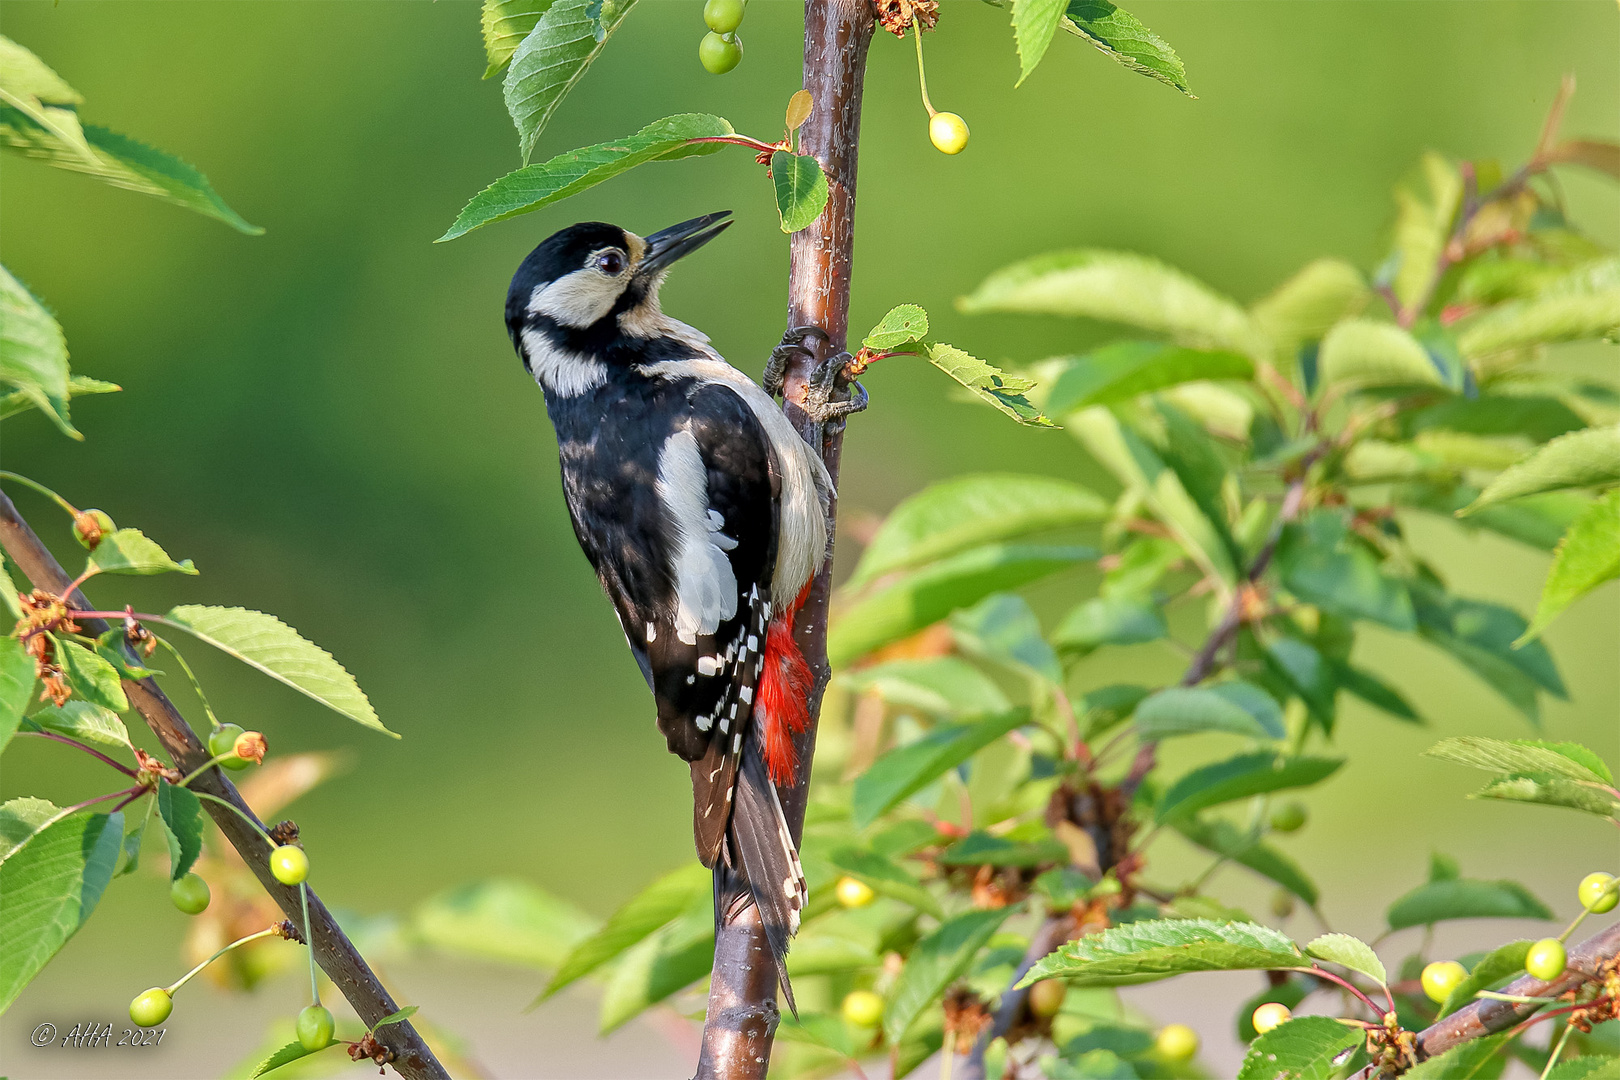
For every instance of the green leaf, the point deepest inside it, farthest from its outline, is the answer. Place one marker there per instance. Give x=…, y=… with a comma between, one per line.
x=1003, y=629
x=1307, y=673
x=265, y=642
x=288, y=1054
x=1108, y=620
x=1304, y=1048
x=1098, y=1064
x=1145, y=951
x=1119, y=35
x=1139, y=467
x=1537, y=520
x=1551, y=791
x=509, y=921
x=16, y=686
x=547, y=63
x=33, y=352
x=129, y=858
x=1321, y=562
x=182, y=827
x=110, y=647
x=979, y=848
x=21, y=820
x=1491, y=969
x=1118, y=287
x=90, y=677
x=128, y=551
x=1236, y=707
x=1373, y=690
x=1557, y=314
x=1481, y=636
x=1034, y=22
x=934, y=963
x=825, y=1031
x=124, y=163
x=670, y=960
x=1350, y=952
x=18, y=402
x=395, y=1017
x=85, y=722
x=1424, y=210
x=1588, y=555
x=48, y=890
x=1589, y=1067
x=1005, y=392
x=646, y=912
x=941, y=685
x=1122, y=370
x=918, y=600
x=1238, y=778
x=1586, y=458
x=29, y=88
x=1569, y=760
x=1465, y=898
x=1307, y=305
x=1225, y=839
x=908, y=769
x=967, y=511
x=904, y=324
x=535, y=186
x=505, y=24
x=1360, y=352
x=801, y=189
x=1476, y=1059
x=885, y=877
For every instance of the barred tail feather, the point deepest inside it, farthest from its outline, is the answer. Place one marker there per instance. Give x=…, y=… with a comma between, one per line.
x=764, y=868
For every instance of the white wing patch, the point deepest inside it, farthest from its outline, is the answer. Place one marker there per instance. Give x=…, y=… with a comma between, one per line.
x=705, y=586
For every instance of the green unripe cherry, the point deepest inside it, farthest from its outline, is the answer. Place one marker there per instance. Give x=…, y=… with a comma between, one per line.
x=1598, y=893
x=315, y=1028
x=1441, y=978
x=948, y=132
x=90, y=527
x=723, y=16
x=1270, y=1015
x=289, y=865
x=190, y=894
x=1046, y=997
x=1176, y=1042
x=720, y=52
x=1289, y=817
x=223, y=741
x=862, y=1008
x=151, y=1008
x=1546, y=959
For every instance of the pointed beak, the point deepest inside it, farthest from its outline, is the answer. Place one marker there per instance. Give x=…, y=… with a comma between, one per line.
x=667, y=245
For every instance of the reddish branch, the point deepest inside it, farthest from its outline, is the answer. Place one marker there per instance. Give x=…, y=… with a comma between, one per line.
x=334, y=951
x=742, y=1017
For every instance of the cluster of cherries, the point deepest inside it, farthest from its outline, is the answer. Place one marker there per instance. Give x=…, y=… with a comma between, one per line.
x=721, y=48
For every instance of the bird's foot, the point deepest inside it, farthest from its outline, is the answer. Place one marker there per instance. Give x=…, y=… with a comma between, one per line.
x=792, y=346
x=819, y=403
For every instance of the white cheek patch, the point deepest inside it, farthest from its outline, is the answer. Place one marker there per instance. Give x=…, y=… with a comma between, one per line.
x=705, y=586
x=577, y=300
x=562, y=371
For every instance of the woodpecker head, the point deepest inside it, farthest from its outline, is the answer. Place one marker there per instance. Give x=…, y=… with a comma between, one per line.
x=592, y=286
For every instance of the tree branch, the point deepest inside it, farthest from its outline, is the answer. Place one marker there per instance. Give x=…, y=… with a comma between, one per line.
x=741, y=1023
x=334, y=951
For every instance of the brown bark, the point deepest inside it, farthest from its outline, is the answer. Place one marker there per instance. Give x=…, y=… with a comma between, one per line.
x=334, y=951
x=742, y=1015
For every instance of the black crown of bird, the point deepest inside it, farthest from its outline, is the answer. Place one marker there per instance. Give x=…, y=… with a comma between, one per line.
x=704, y=515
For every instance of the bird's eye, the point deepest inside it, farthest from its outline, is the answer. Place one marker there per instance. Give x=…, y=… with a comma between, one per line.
x=610, y=263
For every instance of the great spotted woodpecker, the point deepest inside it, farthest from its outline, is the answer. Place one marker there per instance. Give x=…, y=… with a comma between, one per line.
x=704, y=515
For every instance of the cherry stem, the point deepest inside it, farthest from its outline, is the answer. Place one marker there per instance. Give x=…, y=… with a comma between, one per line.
x=233, y=808
x=209, y=764
x=51, y=735
x=1557, y=1051
x=266, y=932
x=922, y=75
x=314, y=986
x=1323, y=973
x=42, y=489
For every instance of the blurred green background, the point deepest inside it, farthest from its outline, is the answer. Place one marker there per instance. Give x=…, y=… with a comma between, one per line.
x=329, y=418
